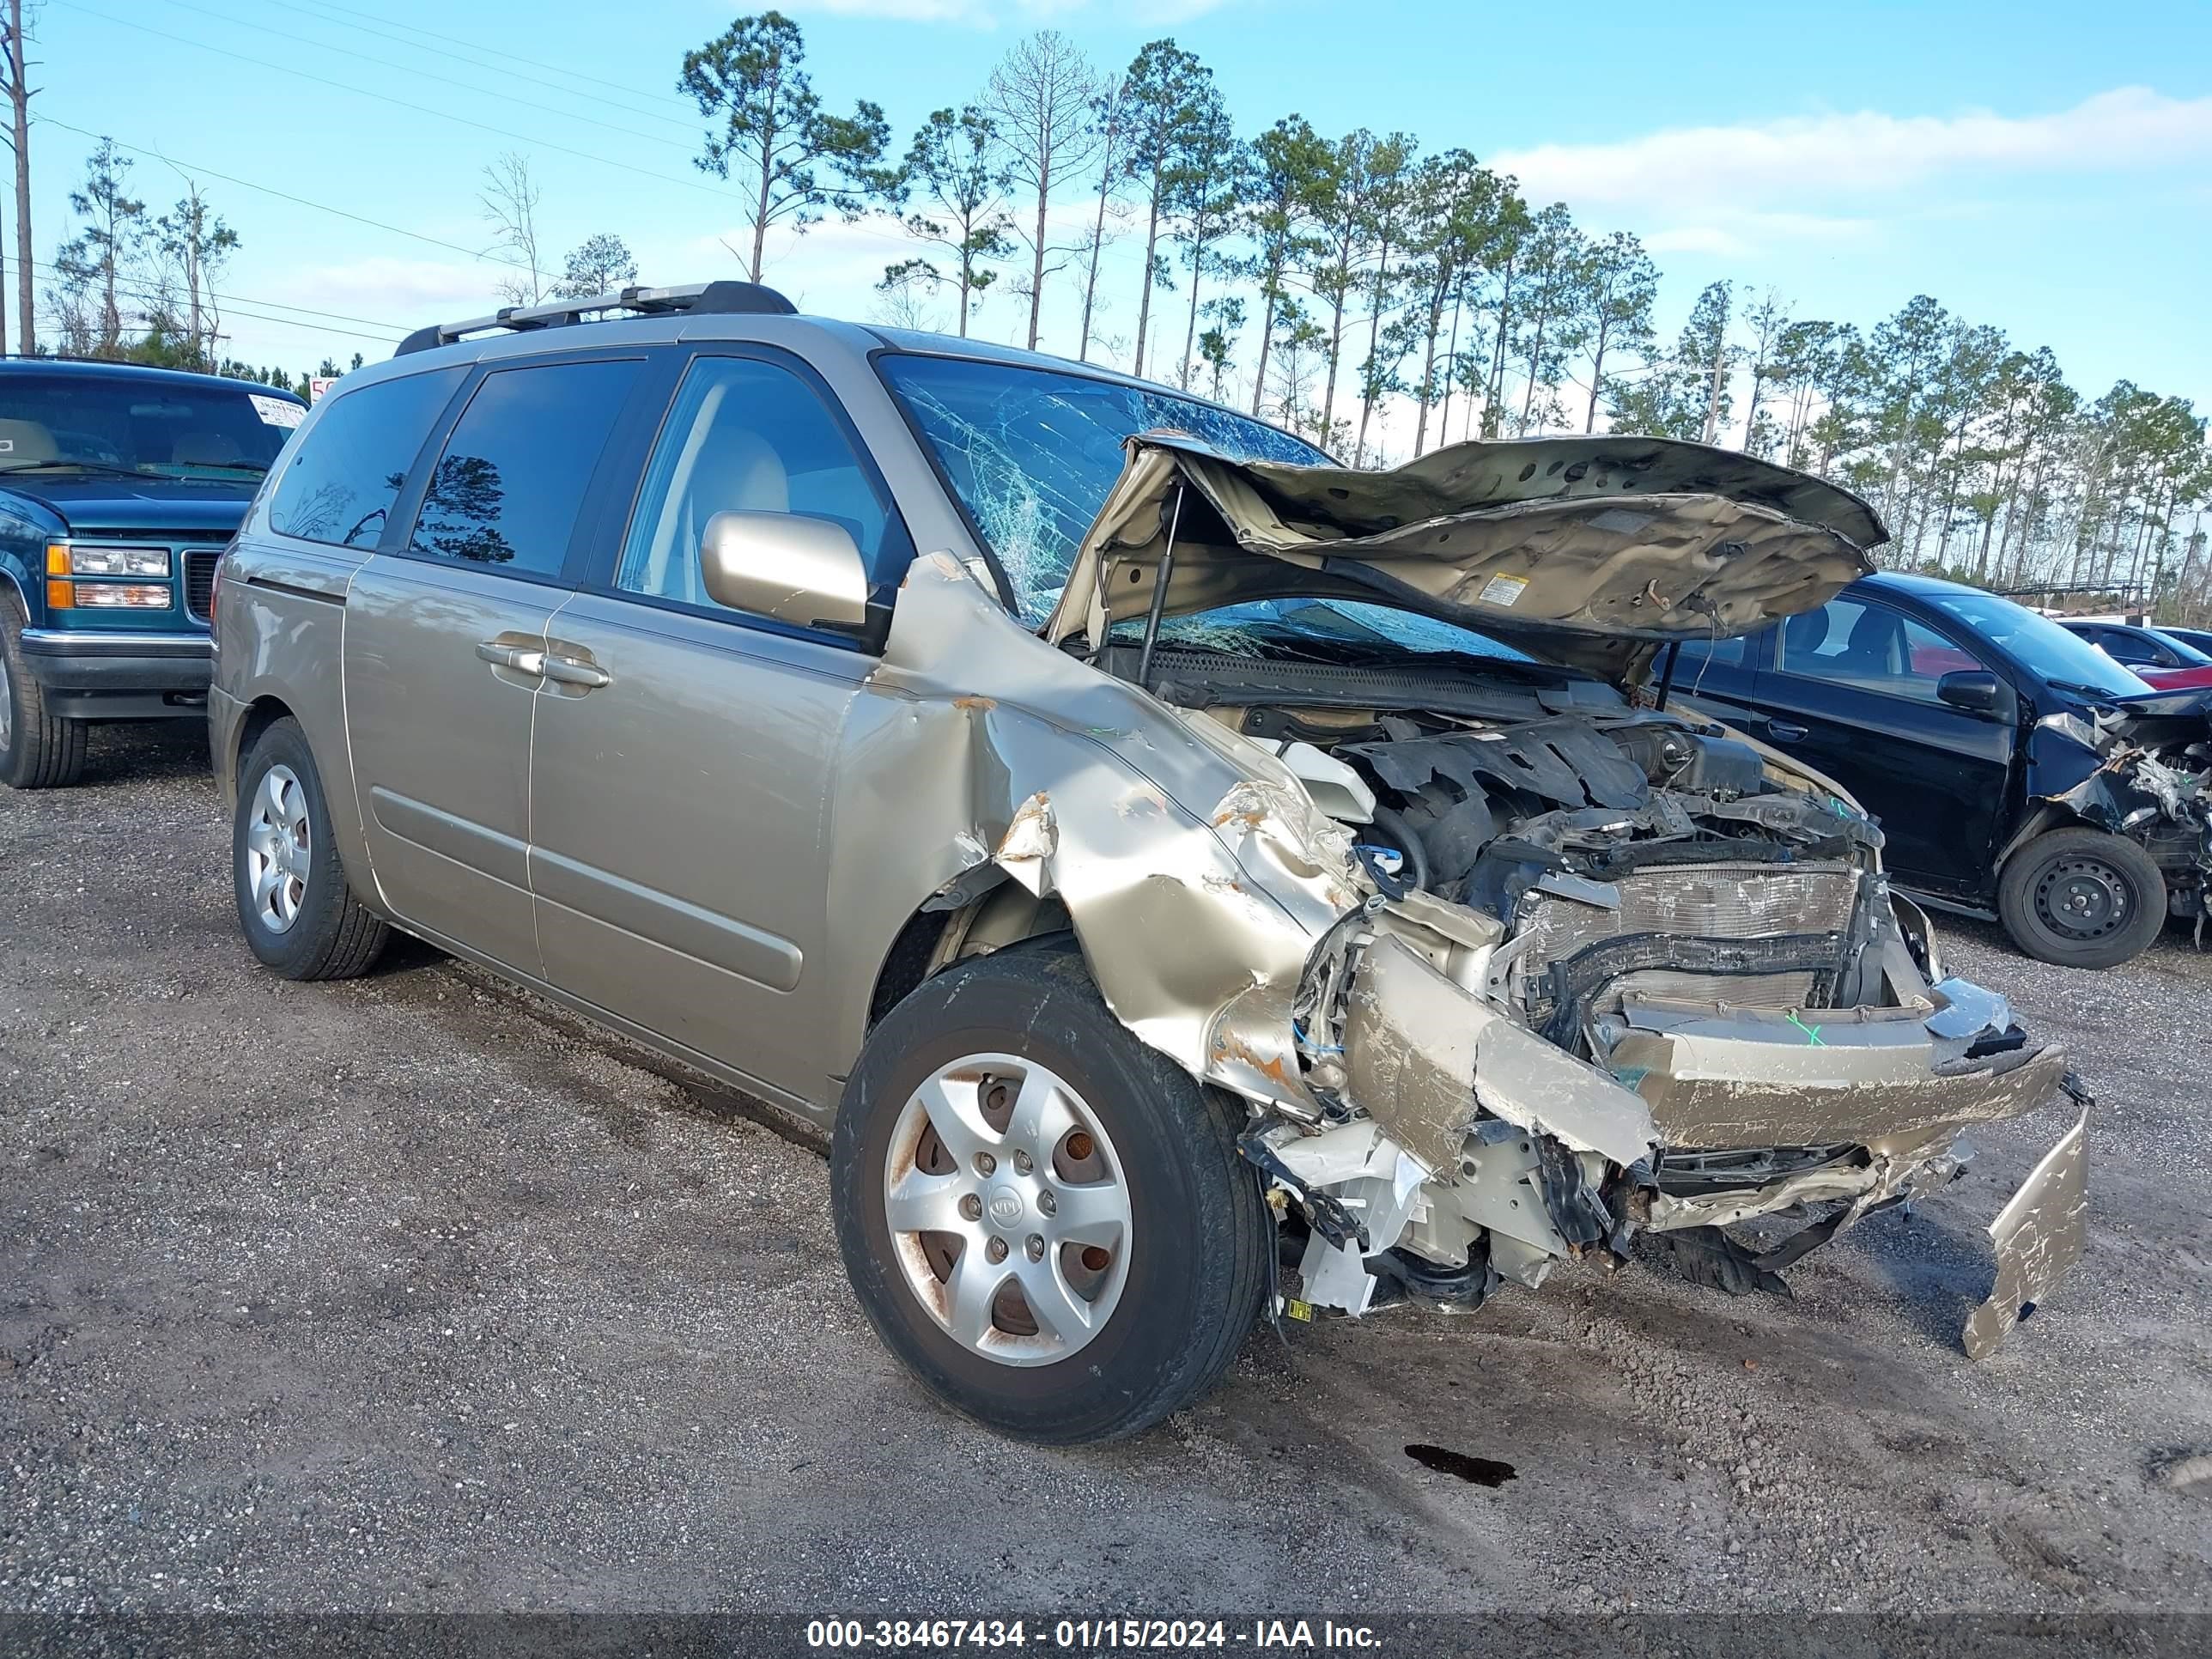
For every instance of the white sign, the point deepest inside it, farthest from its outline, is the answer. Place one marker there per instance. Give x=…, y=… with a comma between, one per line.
x=317, y=385
x=276, y=411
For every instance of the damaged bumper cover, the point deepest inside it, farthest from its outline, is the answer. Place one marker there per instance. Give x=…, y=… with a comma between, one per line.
x=1479, y=1132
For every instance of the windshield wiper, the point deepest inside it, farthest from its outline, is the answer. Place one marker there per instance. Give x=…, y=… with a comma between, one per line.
x=81, y=466
x=2098, y=693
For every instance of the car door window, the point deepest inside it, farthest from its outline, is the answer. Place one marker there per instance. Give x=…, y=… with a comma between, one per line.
x=2129, y=649
x=512, y=477
x=339, y=486
x=1870, y=647
x=749, y=435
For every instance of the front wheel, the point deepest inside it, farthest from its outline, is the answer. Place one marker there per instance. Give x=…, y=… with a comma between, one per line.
x=38, y=750
x=2081, y=898
x=1047, y=1221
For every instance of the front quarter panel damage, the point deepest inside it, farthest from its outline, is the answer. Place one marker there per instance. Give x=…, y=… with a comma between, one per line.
x=1195, y=869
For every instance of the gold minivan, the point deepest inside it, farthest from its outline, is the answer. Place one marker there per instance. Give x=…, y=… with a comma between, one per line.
x=1191, y=881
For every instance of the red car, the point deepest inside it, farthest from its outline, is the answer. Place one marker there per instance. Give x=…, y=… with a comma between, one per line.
x=2157, y=658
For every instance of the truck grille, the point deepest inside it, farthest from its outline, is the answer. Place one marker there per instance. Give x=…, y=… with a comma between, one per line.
x=200, y=581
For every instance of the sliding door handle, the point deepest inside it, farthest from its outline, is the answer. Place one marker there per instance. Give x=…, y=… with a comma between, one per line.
x=520, y=658
x=566, y=671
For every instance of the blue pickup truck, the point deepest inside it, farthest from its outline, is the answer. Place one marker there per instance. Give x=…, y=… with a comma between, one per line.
x=119, y=487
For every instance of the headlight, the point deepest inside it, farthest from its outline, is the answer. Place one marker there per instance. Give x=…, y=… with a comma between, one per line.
x=93, y=595
x=106, y=560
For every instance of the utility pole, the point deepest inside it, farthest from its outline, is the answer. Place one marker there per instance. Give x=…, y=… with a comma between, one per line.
x=18, y=86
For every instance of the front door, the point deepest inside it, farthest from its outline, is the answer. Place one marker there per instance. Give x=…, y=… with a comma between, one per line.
x=684, y=766
x=445, y=643
x=1853, y=693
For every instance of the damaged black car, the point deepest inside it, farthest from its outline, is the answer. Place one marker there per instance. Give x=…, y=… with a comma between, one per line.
x=2018, y=773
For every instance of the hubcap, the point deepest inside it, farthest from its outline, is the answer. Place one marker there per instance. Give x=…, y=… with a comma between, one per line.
x=2083, y=898
x=1008, y=1210
x=278, y=851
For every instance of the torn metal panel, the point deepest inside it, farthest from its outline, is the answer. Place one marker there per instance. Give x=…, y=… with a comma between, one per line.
x=1578, y=547
x=1754, y=1078
x=2038, y=1236
x=1193, y=866
x=1423, y=1056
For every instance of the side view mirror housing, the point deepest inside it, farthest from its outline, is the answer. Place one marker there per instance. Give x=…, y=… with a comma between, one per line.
x=787, y=566
x=1973, y=690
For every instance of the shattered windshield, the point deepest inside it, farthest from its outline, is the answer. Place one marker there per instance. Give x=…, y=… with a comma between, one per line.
x=1032, y=452
x=2063, y=658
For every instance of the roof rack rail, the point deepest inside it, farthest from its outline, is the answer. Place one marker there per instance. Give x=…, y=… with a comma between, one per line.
x=724, y=297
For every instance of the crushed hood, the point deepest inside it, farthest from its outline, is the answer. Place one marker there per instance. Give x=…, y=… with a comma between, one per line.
x=1588, y=551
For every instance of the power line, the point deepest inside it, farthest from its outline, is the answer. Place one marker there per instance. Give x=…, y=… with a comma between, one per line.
x=317, y=15
x=495, y=52
x=401, y=103
x=428, y=74
x=144, y=295
x=297, y=201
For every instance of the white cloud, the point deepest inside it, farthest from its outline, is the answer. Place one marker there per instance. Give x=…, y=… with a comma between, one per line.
x=1690, y=174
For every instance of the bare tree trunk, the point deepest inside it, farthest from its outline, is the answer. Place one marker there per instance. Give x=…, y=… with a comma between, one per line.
x=1493, y=387
x=1152, y=248
x=1036, y=268
x=1597, y=380
x=1374, y=340
x=1335, y=356
x=1267, y=339
x=1451, y=372
x=1713, y=387
x=1090, y=281
x=1190, y=329
x=1428, y=379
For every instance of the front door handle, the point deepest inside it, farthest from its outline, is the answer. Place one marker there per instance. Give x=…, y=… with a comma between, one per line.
x=1780, y=731
x=566, y=671
x=520, y=658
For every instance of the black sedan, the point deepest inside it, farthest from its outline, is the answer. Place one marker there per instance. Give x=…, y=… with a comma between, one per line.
x=2017, y=770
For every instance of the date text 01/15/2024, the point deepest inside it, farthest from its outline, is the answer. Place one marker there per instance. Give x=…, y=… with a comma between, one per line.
x=1086, y=1635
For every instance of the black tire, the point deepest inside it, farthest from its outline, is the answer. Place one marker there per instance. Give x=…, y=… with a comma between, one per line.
x=333, y=935
x=1201, y=1233
x=40, y=750
x=2120, y=894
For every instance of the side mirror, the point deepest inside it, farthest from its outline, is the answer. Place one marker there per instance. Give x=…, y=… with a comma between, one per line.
x=794, y=569
x=1973, y=690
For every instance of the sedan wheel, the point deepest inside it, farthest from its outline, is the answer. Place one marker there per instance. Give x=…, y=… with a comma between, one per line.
x=2081, y=898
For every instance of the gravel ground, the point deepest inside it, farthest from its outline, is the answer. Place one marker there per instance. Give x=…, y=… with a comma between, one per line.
x=413, y=1293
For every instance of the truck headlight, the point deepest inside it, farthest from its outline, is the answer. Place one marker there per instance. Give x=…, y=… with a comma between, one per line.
x=121, y=595
x=66, y=559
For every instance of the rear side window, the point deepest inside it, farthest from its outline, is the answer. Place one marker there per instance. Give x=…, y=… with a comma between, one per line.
x=511, y=479
x=340, y=487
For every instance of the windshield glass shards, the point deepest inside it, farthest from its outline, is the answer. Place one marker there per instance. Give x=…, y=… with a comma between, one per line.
x=110, y=424
x=1031, y=453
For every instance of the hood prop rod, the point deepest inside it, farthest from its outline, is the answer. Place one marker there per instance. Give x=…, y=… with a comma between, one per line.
x=1666, y=675
x=1161, y=576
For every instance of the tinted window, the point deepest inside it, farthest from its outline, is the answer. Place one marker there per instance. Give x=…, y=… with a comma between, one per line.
x=1031, y=453
x=512, y=478
x=1871, y=647
x=749, y=436
x=349, y=468
x=1697, y=652
x=57, y=423
x=2121, y=646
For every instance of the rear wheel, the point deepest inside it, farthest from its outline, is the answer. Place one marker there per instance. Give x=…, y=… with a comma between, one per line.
x=295, y=904
x=1047, y=1221
x=38, y=750
x=2081, y=898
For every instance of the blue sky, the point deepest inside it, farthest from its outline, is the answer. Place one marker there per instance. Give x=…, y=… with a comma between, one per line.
x=2046, y=168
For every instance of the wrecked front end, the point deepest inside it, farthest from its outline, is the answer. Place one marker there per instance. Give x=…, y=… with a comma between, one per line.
x=1508, y=966
x=2140, y=768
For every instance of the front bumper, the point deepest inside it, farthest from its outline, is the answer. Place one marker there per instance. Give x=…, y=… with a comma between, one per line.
x=119, y=676
x=1441, y=1072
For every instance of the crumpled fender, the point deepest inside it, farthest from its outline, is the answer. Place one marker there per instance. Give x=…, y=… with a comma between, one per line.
x=1196, y=872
